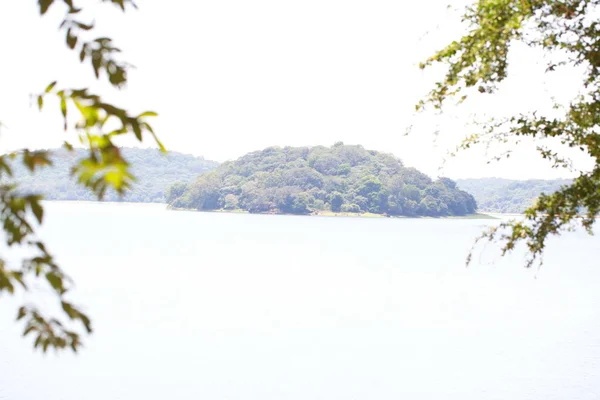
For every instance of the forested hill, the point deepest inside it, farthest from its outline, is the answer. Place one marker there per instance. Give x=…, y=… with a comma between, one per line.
x=506, y=195
x=155, y=173
x=303, y=180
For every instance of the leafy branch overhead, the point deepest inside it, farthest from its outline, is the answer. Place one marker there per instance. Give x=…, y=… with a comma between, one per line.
x=104, y=168
x=477, y=62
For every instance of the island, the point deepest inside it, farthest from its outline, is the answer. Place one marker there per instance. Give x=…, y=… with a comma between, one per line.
x=341, y=179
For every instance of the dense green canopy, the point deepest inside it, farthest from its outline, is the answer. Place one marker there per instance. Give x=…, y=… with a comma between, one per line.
x=303, y=180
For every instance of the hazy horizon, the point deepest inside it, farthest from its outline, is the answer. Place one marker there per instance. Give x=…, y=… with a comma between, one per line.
x=233, y=159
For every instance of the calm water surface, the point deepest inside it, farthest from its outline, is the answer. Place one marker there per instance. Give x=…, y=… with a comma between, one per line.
x=232, y=306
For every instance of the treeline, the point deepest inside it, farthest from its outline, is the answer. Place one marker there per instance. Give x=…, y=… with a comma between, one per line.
x=303, y=180
x=155, y=173
x=506, y=195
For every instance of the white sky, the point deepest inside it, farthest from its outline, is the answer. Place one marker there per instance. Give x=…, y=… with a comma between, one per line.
x=229, y=77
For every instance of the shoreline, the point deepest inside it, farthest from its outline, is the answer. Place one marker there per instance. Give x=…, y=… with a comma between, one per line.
x=323, y=214
x=330, y=214
x=133, y=203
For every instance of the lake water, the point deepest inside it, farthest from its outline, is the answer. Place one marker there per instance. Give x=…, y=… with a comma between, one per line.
x=232, y=306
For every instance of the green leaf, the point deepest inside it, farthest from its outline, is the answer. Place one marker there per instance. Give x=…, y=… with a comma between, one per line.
x=63, y=110
x=83, y=53
x=37, y=210
x=45, y=5
x=148, y=127
x=50, y=87
x=40, y=101
x=71, y=39
x=55, y=281
x=85, y=27
x=96, y=64
x=22, y=313
x=63, y=106
x=40, y=246
x=69, y=310
x=161, y=147
x=18, y=276
x=137, y=130
x=28, y=330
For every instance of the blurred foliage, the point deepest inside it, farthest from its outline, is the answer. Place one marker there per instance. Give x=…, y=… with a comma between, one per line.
x=101, y=169
x=302, y=180
x=154, y=173
x=568, y=32
x=507, y=195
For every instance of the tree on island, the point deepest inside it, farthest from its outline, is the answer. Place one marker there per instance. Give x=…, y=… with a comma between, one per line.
x=306, y=180
x=569, y=32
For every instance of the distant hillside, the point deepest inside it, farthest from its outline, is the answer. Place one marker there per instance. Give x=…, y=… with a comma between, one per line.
x=506, y=195
x=154, y=171
x=304, y=180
